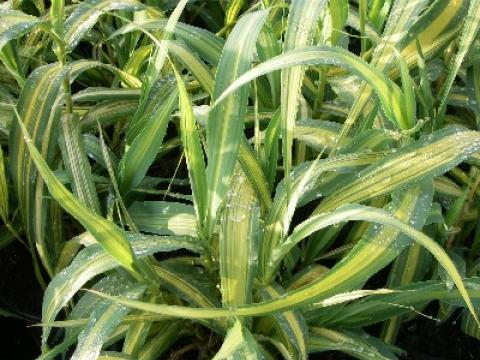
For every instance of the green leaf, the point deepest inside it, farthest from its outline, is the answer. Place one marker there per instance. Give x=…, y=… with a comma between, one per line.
x=238, y=344
x=290, y=324
x=145, y=146
x=413, y=164
x=206, y=44
x=93, y=261
x=388, y=92
x=193, y=152
x=109, y=235
x=469, y=33
x=301, y=27
x=164, y=218
x=104, y=318
x=57, y=14
x=15, y=24
x=401, y=17
x=239, y=242
x=405, y=299
x=77, y=163
x=225, y=122
x=87, y=13
x=4, y=196
x=358, y=346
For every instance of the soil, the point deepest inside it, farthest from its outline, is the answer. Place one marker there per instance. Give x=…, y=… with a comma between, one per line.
x=20, y=294
x=424, y=340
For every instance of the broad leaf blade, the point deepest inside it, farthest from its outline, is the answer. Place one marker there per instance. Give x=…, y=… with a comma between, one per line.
x=93, y=261
x=14, y=24
x=387, y=91
x=239, y=243
x=413, y=164
x=238, y=344
x=103, y=320
x=145, y=146
x=291, y=324
x=225, y=122
x=87, y=13
x=193, y=152
x=77, y=164
x=302, y=24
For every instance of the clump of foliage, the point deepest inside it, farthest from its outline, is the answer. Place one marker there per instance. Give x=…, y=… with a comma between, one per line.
x=228, y=178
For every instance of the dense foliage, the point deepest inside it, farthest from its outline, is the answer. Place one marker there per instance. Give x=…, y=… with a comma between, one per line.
x=241, y=179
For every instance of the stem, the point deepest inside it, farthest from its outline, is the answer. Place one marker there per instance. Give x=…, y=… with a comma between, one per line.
x=62, y=57
x=363, y=18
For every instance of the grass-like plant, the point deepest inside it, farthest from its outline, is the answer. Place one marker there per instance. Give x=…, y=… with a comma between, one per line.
x=228, y=178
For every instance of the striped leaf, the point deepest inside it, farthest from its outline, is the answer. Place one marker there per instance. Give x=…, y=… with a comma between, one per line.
x=167, y=335
x=164, y=218
x=103, y=320
x=110, y=236
x=206, y=44
x=238, y=344
x=225, y=122
x=93, y=261
x=388, y=92
x=145, y=145
x=469, y=33
x=415, y=163
x=14, y=24
x=238, y=243
x=290, y=324
x=77, y=164
x=401, y=17
x=360, y=346
x=410, y=298
x=193, y=152
x=159, y=55
x=39, y=107
x=87, y=13
x=301, y=27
